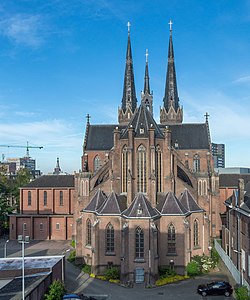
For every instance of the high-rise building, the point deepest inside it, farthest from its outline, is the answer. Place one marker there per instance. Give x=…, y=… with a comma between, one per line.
x=218, y=152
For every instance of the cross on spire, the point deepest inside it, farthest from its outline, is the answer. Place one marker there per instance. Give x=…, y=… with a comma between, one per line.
x=146, y=54
x=170, y=25
x=206, y=116
x=129, y=25
x=88, y=117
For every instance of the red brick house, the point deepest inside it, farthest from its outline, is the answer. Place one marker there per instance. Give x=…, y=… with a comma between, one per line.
x=46, y=209
x=147, y=193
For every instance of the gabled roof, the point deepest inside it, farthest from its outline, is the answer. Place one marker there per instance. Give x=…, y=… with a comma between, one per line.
x=170, y=205
x=114, y=205
x=141, y=122
x=188, y=201
x=52, y=181
x=189, y=136
x=140, y=208
x=96, y=202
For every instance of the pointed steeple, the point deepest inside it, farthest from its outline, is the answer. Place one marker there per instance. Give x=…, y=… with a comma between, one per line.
x=57, y=169
x=129, y=101
x=173, y=111
x=146, y=95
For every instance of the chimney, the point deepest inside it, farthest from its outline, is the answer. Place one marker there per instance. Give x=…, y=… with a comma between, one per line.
x=241, y=188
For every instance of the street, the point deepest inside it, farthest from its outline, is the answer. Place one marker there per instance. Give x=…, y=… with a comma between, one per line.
x=78, y=282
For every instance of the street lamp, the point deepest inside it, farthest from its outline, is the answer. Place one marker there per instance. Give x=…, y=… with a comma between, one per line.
x=23, y=240
x=5, y=248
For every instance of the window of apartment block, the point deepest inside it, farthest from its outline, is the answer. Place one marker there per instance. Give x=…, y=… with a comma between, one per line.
x=41, y=226
x=45, y=198
x=57, y=226
x=61, y=198
x=29, y=198
x=24, y=226
x=243, y=260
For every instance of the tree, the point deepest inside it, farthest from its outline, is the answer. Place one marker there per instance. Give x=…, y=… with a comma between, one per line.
x=9, y=193
x=56, y=291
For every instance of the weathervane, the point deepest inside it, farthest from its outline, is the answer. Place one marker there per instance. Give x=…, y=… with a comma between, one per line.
x=170, y=25
x=129, y=25
x=146, y=55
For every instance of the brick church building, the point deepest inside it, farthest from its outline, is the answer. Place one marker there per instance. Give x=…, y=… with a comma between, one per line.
x=147, y=192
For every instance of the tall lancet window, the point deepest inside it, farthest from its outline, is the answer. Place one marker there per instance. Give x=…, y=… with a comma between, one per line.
x=171, y=239
x=196, y=233
x=139, y=243
x=88, y=232
x=158, y=166
x=141, y=170
x=97, y=163
x=124, y=169
x=196, y=163
x=110, y=239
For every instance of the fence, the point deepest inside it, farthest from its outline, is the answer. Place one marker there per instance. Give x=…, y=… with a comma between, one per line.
x=230, y=265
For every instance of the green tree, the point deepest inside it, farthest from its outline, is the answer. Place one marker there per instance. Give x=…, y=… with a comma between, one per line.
x=56, y=291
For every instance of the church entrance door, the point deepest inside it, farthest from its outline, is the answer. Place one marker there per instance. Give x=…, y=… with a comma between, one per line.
x=139, y=275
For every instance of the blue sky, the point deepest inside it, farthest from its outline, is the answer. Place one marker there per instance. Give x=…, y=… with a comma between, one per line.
x=60, y=60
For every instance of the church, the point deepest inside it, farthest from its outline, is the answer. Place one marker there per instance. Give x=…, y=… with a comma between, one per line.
x=147, y=194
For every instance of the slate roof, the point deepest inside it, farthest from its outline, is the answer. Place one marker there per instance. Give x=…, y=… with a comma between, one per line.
x=140, y=208
x=114, y=205
x=170, y=205
x=96, y=202
x=188, y=201
x=231, y=180
x=188, y=136
x=52, y=181
x=142, y=121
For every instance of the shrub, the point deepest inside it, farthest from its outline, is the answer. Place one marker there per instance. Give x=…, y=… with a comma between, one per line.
x=215, y=257
x=86, y=269
x=101, y=277
x=114, y=280
x=72, y=256
x=73, y=243
x=56, y=291
x=242, y=293
x=166, y=272
x=112, y=273
x=193, y=268
x=170, y=279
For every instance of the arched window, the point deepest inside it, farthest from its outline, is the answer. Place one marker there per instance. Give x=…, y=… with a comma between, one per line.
x=196, y=163
x=29, y=198
x=141, y=170
x=61, y=198
x=158, y=165
x=110, y=238
x=88, y=232
x=200, y=187
x=45, y=198
x=196, y=233
x=97, y=163
x=124, y=169
x=139, y=243
x=204, y=187
x=171, y=239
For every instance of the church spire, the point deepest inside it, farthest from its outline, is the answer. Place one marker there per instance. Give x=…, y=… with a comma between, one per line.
x=146, y=96
x=171, y=111
x=129, y=95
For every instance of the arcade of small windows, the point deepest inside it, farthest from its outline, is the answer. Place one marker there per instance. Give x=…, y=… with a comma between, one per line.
x=97, y=163
x=110, y=239
x=124, y=169
x=171, y=239
x=141, y=170
x=88, y=232
x=139, y=243
x=158, y=165
x=196, y=163
x=196, y=233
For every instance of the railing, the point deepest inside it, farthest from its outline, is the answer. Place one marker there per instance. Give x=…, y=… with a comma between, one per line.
x=229, y=264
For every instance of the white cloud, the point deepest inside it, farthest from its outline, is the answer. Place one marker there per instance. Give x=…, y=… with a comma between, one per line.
x=244, y=79
x=23, y=29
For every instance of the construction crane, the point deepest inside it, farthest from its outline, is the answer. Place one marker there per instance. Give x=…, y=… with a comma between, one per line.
x=27, y=147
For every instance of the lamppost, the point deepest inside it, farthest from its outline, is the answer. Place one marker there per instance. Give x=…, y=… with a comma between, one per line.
x=23, y=240
x=5, y=248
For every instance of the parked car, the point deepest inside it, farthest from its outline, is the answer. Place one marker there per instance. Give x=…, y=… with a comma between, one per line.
x=215, y=288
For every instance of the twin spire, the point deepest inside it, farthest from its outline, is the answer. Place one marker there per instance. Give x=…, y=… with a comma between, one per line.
x=171, y=111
